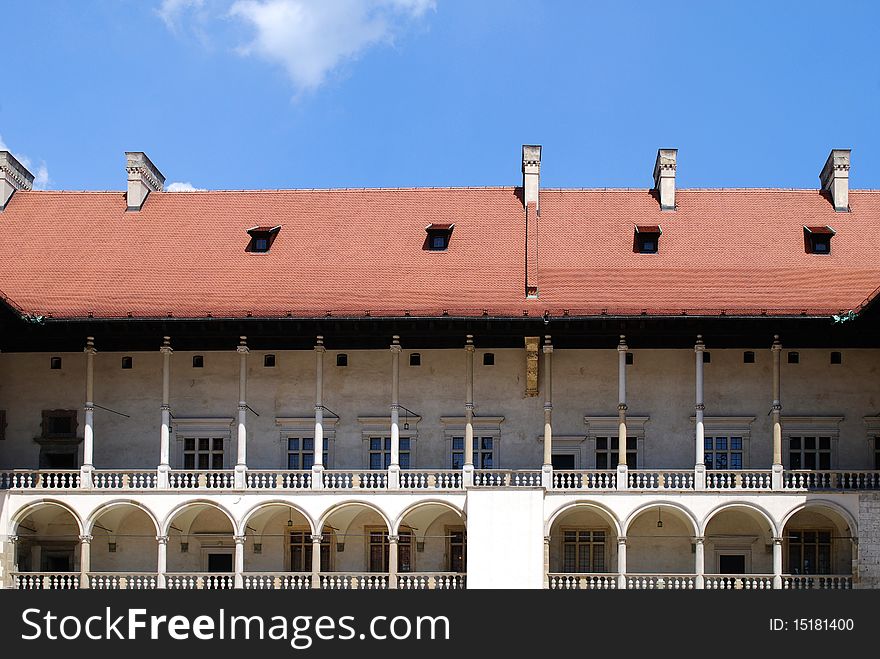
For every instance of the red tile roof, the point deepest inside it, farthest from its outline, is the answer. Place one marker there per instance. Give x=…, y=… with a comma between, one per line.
x=349, y=252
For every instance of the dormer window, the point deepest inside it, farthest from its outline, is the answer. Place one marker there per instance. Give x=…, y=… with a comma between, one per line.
x=817, y=240
x=646, y=239
x=262, y=238
x=438, y=237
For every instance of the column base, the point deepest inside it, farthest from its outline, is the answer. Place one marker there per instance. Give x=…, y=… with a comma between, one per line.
x=622, y=477
x=547, y=476
x=467, y=475
x=621, y=582
x=240, y=477
x=317, y=482
x=163, y=479
x=85, y=476
x=700, y=477
x=777, y=582
x=776, y=477
x=699, y=582
x=394, y=477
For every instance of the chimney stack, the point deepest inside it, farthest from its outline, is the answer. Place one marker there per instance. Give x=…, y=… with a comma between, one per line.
x=143, y=178
x=531, y=169
x=835, y=178
x=664, y=178
x=13, y=176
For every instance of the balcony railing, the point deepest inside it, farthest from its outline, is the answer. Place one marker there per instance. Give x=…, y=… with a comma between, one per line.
x=353, y=581
x=46, y=580
x=507, y=478
x=199, y=581
x=754, y=480
x=277, y=580
x=661, y=581
x=432, y=581
x=738, y=581
x=817, y=582
x=123, y=580
x=569, y=581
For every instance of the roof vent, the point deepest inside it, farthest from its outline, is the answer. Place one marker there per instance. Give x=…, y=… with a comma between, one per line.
x=262, y=238
x=143, y=178
x=664, y=177
x=13, y=176
x=835, y=178
x=438, y=237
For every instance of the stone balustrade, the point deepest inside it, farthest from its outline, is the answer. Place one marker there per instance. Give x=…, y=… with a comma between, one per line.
x=278, y=480
x=199, y=581
x=432, y=581
x=665, y=479
x=190, y=479
x=507, y=478
x=585, y=480
x=353, y=581
x=123, y=580
x=817, y=582
x=46, y=580
x=569, y=581
x=661, y=581
x=360, y=479
x=427, y=479
x=738, y=582
x=130, y=479
x=277, y=580
x=738, y=479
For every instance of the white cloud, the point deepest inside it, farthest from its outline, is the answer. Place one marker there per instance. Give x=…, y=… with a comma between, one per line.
x=182, y=186
x=41, y=177
x=309, y=39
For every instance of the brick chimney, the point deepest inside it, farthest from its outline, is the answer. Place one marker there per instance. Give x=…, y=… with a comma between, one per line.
x=664, y=177
x=835, y=178
x=13, y=176
x=531, y=169
x=143, y=178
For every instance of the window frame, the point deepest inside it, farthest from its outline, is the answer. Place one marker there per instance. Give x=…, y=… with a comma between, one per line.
x=485, y=427
x=730, y=426
x=607, y=426
x=184, y=428
x=449, y=530
x=577, y=530
x=291, y=427
x=327, y=540
x=872, y=443
x=817, y=530
x=405, y=531
x=811, y=426
x=380, y=426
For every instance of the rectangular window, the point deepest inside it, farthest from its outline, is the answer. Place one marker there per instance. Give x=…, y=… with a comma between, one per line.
x=301, y=452
x=203, y=453
x=380, y=452
x=809, y=453
x=809, y=552
x=378, y=551
x=456, y=551
x=583, y=550
x=59, y=423
x=607, y=452
x=301, y=552
x=484, y=452
x=723, y=452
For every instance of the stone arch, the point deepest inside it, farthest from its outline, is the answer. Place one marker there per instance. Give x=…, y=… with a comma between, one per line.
x=680, y=509
x=739, y=505
x=599, y=508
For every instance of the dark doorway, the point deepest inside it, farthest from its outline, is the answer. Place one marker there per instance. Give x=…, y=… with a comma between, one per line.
x=563, y=461
x=732, y=564
x=219, y=562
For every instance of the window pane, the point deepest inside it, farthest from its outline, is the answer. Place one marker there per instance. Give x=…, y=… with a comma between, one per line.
x=218, y=443
x=404, y=460
x=387, y=443
x=217, y=461
x=602, y=443
x=293, y=444
x=203, y=460
x=825, y=443
x=376, y=461
x=189, y=461
x=203, y=444
x=308, y=460
x=794, y=460
x=809, y=443
x=707, y=460
x=458, y=443
x=601, y=461
x=721, y=443
x=189, y=444
x=375, y=443
x=457, y=460
x=308, y=444
x=721, y=461
x=707, y=444
x=404, y=444
x=825, y=461
x=487, y=443
x=632, y=444
x=487, y=461
x=736, y=461
x=809, y=460
x=794, y=442
x=293, y=460
x=736, y=443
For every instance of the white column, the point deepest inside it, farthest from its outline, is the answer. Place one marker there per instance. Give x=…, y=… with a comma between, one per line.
x=622, y=467
x=776, y=412
x=165, y=432
x=318, y=464
x=316, y=561
x=241, y=463
x=394, y=467
x=468, y=475
x=162, y=560
x=392, y=561
x=239, y=560
x=621, y=563
x=777, y=563
x=85, y=560
x=699, y=562
x=547, y=467
x=699, y=408
x=89, y=408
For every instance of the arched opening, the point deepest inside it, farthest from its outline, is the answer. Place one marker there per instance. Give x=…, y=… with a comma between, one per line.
x=47, y=548
x=279, y=547
x=201, y=548
x=123, y=548
x=583, y=549
x=363, y=554
x=739, y=549
x=661, y=548
x=818, y=549
x=432, y=542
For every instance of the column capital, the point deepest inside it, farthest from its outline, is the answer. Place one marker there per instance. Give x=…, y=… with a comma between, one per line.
x=89, y=407
x=85, y=538
x=777, y=540
x=548, y=407
x=699, y=540
x=90, y=346
x=12, y=538
x=164, y=407
x=470, y=406
x=621, y=539
x=242, y=347
x=162, y=539
x=317, y=537
x=242, y=406
x=395, y=343
x=548, y=346
x=166, y=349
x=777, y=345
x=239, y=539
x=699, y=407
x=319, y=344
x=776, y=407
x=621, y=345
x=622, y=407
x=392, y=539
x=699, y=346
x=547, y=539
x=469, y=343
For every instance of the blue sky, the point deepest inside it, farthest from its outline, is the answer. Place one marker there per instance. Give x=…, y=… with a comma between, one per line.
x=238, y=94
